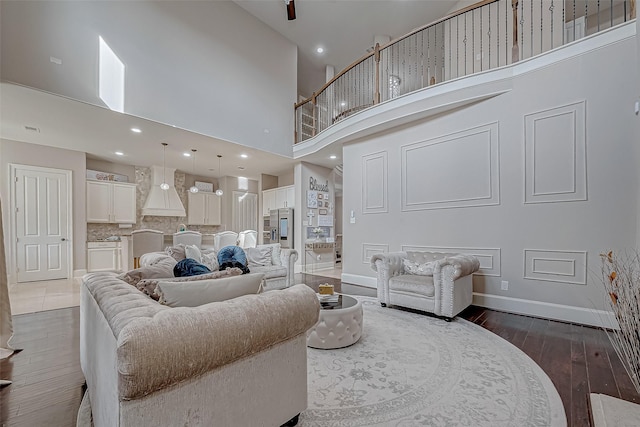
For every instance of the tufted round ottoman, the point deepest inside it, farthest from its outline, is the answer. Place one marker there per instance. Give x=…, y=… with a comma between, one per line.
x=339, y=325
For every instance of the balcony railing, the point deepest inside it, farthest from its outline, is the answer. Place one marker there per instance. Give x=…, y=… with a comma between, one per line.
x=483, y=36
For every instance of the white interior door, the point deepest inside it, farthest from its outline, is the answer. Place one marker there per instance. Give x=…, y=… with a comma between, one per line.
x=244, y=211
x=42, y=226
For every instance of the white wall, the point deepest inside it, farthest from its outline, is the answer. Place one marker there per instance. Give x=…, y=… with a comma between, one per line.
x=39, y=155
x=209, y=67
x=462, y=180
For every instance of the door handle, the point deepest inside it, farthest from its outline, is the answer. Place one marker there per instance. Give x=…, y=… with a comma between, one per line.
x=63, y=239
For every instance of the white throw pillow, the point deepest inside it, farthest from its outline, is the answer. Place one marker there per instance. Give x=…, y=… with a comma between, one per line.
x=259, y=256
x=210, y=259
x=199, y=292
x=275, y=254
x=192, y=251
x=424, y=269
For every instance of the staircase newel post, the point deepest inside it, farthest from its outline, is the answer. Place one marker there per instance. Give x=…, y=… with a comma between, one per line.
x=376, y=56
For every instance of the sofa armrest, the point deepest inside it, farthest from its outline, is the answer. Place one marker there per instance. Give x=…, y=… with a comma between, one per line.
x=463, y=265
x=288, y=258
x=386, y=265
x=390, y=262
x=183, y=343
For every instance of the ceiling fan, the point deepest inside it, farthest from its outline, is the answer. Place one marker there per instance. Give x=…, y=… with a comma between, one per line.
x=291, y=9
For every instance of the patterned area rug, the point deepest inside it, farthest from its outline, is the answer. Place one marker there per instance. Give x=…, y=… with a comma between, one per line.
x=410, y=369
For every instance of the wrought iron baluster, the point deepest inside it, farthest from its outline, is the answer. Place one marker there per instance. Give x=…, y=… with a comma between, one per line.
x=473, y=41
x=551, y=10
x=541, y=28
x=465, y=44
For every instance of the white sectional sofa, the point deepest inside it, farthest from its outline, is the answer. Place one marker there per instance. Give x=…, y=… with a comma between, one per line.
x=241, y=362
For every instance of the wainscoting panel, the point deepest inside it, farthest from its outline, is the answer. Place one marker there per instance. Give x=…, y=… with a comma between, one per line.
x=374, y=183
x=452, y=171
x=555, y=155
x=490, y=264
x=369, y=249
x=556, y=266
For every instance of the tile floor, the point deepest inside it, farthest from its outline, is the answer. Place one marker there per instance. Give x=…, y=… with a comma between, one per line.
x=30, y=297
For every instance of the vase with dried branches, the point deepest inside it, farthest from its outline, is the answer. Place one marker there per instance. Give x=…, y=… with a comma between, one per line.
x=621, y=279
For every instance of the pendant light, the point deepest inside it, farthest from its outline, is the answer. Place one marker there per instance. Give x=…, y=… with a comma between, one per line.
x=193, y=188
x=219, y=191
x=164, y=184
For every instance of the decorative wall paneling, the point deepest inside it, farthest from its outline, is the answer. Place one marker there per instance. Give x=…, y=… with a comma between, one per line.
x=555, y=155
x=375, y=198
x=436, y=176
x=556, y=265
x=369, y=249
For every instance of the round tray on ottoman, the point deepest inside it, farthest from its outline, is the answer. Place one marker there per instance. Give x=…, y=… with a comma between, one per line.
x=339, y=324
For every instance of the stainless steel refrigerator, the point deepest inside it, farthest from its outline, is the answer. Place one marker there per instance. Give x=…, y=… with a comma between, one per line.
x=281, y=227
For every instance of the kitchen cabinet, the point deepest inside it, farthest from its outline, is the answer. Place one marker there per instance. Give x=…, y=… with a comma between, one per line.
x=111, y=202
x=203, y=209
x=268, y=201
x=276, y=198
x=104, y=256
x=285, y=197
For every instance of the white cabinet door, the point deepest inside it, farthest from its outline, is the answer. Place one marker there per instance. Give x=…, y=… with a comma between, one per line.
x=213, y=209
x=204, y=209
x=290, y=198
x=103, y=256
x=111, y=202
x=285, y=197
x=98, y=201
x=197, y=207
x=268, y=201
x=124, y=203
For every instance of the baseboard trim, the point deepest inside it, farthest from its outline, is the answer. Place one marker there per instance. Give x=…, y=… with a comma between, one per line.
x=545, y=310
x=565, y=313
x=356, y=279
x=79, y=273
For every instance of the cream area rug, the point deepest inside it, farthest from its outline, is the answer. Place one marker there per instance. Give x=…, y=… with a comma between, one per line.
x=411, y=369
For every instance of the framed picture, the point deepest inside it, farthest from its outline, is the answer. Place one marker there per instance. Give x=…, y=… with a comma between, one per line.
x=326, y=204
x=320, y=196
x=323, y=212
x=312, y=199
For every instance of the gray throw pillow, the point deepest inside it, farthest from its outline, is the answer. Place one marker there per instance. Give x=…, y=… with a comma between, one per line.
x=162, y=269
x=177, y=252
x=149, y=286
x=196, y=293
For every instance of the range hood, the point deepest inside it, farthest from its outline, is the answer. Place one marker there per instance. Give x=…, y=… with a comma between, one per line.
x=162, y=202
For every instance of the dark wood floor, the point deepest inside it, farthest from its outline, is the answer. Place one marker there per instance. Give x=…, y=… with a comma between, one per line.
x=47, y=381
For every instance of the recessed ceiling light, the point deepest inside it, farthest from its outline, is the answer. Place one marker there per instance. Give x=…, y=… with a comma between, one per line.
x=136, y=130
x=186, y=154
x=244, y=156
x=266, y=131
x=320, y=50
x=119, y=153
x=333, y=156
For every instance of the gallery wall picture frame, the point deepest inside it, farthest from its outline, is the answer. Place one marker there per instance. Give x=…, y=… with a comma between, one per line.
x=322, y=212
x=320, y=196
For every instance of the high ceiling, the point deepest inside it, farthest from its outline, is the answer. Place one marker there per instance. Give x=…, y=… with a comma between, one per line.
x=345, y=29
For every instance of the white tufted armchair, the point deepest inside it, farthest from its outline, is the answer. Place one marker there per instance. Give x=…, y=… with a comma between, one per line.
x=441, y=283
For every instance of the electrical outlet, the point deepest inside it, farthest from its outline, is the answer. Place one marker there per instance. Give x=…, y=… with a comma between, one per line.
x=504, y=285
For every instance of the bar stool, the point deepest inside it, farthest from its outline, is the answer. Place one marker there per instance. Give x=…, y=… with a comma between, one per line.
x=187, y=237
x=145, y=241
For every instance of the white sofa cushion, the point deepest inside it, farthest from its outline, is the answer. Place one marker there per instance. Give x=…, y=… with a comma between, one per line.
x=193, y=252
x=413, y=283
x=199, y=292
x=270, y=271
